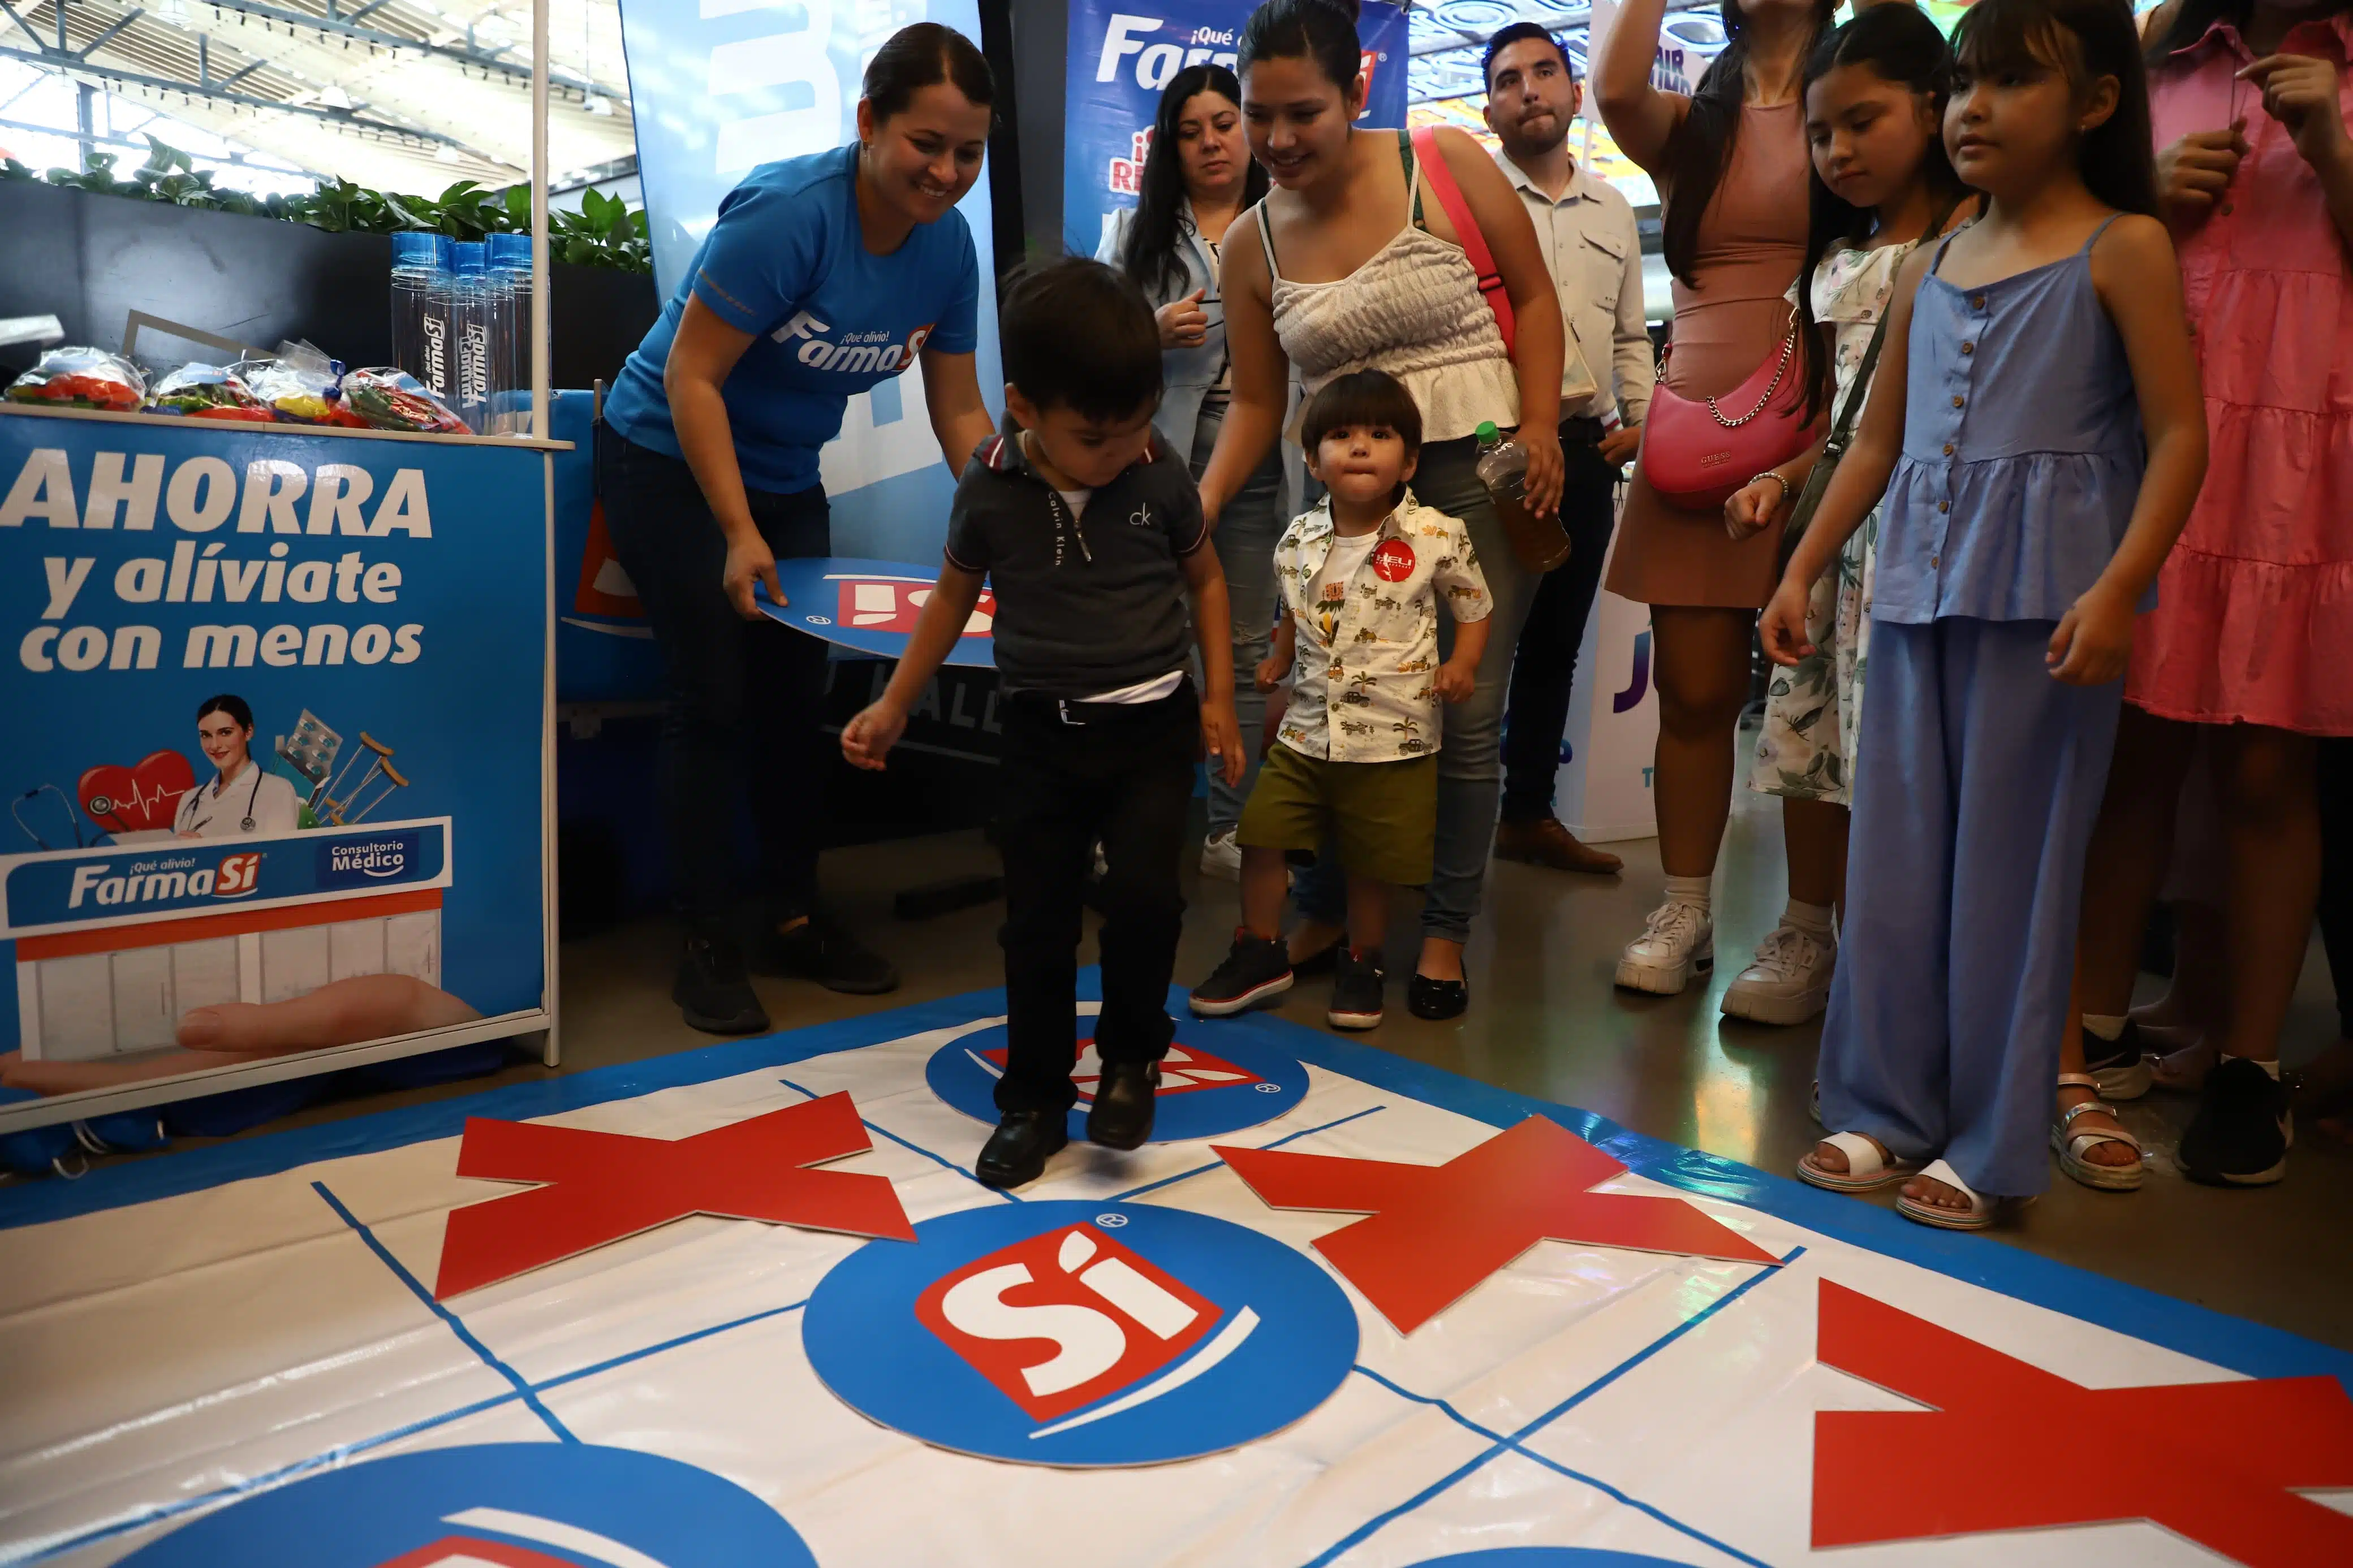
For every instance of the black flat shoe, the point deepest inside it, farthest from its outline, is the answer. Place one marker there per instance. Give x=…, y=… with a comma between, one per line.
x=1017, y=1152
x=818, y=950
x=712, y=992
x=1121, y=1115
x=1436, y=999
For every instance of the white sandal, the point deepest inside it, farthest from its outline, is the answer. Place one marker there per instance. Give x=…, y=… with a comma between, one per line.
x=2071, y=1146
x=1979, y=1215
x=1867, y=1167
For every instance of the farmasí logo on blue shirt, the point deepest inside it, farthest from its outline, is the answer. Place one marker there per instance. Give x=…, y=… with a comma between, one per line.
x=854, y=352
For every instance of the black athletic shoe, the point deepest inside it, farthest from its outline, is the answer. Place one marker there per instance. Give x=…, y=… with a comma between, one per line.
x=1257, y=969
x=1017, y=1152
x=818, y=950
x=1356, y=991
x=2120, y=1066
x=1436, y=1000
x=1121, y=1117
x=712, y=992
x=2241, y=1132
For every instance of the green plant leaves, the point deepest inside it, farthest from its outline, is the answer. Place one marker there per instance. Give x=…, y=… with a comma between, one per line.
x=603, y=233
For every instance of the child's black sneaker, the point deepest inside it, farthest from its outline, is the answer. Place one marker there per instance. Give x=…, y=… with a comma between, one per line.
x=712, y=990
x=1356, y=990
x=2121, y=1066
x=2241, y=1134
x=1257, y=969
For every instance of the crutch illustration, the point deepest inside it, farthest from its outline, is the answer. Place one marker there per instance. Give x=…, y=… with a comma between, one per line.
x=351, y=808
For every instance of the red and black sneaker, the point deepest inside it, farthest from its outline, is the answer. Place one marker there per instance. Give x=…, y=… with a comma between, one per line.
x=1257, y=969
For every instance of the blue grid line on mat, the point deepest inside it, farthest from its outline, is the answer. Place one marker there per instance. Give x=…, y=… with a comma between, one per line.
x=611, y=1363
x=1670, y=1521
x=1219, y=1165
x=457, y=1324
x=915, y=1148
x=1512, y=1443
x=2253, y=1349
x=158, y=1513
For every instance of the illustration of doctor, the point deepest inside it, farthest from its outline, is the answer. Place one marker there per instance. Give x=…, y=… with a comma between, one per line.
x=242, y=800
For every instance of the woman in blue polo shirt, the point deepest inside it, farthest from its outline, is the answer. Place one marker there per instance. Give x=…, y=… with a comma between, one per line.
x=823, y=276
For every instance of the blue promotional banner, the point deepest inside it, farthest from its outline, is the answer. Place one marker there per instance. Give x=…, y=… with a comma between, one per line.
x=274, y=766
x=720, y=87
x=871, y=607
x=1120, y=59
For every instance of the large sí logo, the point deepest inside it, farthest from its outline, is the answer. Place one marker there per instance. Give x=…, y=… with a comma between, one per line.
x=1218, y=1078
x=1081, y=1334
x=501, y=1505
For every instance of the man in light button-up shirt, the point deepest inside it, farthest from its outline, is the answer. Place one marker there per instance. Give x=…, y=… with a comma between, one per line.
x=1586, y=229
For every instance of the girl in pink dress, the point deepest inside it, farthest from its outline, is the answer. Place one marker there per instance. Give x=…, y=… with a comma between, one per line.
x=2254, y=626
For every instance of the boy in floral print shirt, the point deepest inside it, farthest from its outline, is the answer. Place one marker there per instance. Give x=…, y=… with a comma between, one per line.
x=1363, y=576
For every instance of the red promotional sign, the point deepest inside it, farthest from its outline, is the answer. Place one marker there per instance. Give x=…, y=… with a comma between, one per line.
x=1186, y=1069
x=1111, y=1317
x=878, y=604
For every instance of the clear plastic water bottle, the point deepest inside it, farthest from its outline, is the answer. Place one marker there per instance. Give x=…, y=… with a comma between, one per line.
x=437, y=339
x=478, y=299
x=416, y=266
x=1539, y=544
x=510, y=400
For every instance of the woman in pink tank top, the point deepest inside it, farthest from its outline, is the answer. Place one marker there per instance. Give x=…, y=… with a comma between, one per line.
x=1731, y=163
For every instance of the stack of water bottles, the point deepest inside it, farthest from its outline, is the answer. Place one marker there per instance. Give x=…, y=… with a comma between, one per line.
x=461, y=322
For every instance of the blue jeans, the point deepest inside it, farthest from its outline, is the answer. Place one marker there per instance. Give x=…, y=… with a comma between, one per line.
x=1248, y=531
x=1469, y=748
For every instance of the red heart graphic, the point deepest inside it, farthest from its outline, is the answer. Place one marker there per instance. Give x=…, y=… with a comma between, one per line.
x=134, y=799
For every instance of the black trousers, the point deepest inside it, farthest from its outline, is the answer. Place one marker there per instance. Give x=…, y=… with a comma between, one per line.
x=745, y=700
x=2336, y=871
x=1544, y=672
x=1123, y=776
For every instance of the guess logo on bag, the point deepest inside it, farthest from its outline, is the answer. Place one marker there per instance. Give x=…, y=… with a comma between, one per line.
x=1716, y=460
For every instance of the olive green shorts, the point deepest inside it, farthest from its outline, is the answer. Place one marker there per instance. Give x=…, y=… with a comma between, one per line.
x=1382, y=815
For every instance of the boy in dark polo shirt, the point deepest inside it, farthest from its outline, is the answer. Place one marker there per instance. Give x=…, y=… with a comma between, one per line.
x=1087, y=528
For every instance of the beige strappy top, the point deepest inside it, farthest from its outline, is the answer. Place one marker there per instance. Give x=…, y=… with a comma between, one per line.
x=1413, y=309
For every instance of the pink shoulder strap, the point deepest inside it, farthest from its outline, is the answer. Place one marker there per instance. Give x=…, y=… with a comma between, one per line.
x=1440, y=180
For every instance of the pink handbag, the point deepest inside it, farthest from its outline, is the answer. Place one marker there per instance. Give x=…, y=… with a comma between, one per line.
x=1696, y=453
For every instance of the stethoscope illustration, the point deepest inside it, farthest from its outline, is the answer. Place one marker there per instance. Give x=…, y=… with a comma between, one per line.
x=73, y=818
x=195, y=797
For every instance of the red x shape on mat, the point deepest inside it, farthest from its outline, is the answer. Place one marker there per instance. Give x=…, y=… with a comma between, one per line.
x=603, y=1186
x=1436, y=1231
x=2219, y=1463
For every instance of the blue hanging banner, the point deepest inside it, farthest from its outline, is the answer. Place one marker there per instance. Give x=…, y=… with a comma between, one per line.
x=1119, y=60
x=720, y=87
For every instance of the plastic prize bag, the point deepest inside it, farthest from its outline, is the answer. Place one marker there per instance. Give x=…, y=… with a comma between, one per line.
x=209, y=392
x=388, y=399
x=82, y=378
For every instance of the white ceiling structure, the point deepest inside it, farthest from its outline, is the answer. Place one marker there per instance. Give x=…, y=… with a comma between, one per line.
x=397, y=95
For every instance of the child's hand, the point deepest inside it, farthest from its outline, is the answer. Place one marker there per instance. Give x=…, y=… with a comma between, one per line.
x=2094, y=641
x=1221, y=740
x=1753, y=506
x=1269, y=674
x=1782, y=628
x=1455, y=679
x=868, y=739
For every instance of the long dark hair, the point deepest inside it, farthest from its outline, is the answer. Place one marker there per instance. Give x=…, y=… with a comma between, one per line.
x=1902, y=47
x=2084, y=40
x=1322, y=30
x=1150, y=256
x=1701, y=149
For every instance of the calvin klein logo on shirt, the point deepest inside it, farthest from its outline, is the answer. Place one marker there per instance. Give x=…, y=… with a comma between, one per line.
x=854, y=352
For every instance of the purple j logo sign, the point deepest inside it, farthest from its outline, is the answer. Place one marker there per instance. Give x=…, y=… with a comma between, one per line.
x=1640, y=683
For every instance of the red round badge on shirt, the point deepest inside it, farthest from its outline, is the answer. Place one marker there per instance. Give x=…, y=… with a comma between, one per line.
x=1393, y=560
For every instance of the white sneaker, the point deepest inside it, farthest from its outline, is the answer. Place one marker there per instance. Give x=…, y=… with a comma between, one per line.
x=1788, y=983
x=1221, y=856
x=1677, y=940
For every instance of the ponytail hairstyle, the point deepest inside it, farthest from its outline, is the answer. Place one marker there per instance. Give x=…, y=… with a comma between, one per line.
x=1700, y=151
x=1150, y=255
x=1902, y=47
x=1322, y=30
x=923, y=55
x=2084, y=40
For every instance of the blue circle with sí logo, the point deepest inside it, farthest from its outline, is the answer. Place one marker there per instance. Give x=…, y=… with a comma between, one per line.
x=1219, y=1078
x=1081, y=1333
x=519, y=1505
x=1548, y=1557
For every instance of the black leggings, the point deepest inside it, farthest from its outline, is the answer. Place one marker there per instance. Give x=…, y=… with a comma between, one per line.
x=745, y=698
